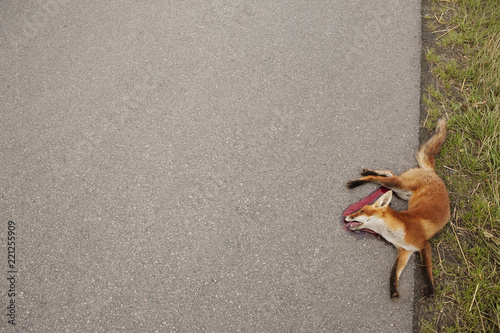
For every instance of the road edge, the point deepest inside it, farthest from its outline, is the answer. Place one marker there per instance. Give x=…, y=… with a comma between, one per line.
x=426, y=78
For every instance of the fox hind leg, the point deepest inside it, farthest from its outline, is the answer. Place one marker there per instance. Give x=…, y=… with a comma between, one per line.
x=382, y=173
x=385, y=178
x=389, y=182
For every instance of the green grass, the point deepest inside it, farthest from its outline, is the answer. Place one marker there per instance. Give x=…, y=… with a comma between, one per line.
x=465, y=62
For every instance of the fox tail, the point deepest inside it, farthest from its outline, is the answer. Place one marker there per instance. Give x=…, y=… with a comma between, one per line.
x=426, y=155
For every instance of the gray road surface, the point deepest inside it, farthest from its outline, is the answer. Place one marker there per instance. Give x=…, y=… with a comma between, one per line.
x=179, y=166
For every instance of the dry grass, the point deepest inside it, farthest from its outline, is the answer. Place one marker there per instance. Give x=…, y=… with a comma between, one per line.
x=465, y=62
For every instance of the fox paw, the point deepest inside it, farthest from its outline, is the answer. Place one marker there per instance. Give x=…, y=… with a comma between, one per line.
x=354, y=183
x=366, y=172
x=429, y=292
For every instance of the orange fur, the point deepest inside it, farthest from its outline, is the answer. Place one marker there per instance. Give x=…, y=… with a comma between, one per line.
x=428, y=208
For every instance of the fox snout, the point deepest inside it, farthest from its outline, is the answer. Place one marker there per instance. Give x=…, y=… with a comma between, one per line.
x=353, y=222
x=370, y=216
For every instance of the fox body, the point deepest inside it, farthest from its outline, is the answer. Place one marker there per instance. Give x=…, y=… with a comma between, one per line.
x=428, y=209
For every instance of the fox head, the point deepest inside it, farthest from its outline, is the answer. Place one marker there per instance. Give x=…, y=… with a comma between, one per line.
x=370, y=216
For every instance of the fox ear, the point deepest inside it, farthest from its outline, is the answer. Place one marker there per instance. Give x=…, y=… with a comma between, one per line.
x=384, y=200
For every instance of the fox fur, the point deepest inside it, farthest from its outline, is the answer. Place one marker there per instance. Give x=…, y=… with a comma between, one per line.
x=428, y=209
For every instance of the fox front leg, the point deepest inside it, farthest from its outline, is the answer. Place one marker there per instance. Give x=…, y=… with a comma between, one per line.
x=399, y=265
x=425, y=255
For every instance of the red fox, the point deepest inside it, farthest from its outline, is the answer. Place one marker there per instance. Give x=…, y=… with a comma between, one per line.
x=428, y=209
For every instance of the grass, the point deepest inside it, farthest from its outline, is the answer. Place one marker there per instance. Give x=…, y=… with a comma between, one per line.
x=465, y=64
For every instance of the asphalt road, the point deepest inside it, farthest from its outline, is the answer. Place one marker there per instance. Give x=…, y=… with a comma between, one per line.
x=180, y=166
